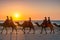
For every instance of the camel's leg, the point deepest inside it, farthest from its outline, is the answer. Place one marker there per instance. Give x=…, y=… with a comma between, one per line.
x=41, y=30
x=12, y=29
x=6, y=30
x=29, y=30
x=24, y=30
x=52, y=30
x=33, y=30
x=45, y=30
x=2, y=30
x=16, y=30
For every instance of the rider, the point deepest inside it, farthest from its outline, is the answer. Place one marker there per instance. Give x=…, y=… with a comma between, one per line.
x=45, y=21
x=49, y=22
x=29, y=20
x=7, y=21
x=11, y=21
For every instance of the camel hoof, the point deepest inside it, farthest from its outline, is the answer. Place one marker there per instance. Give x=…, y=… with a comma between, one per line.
x=28, y=33
x=50, y=32
x=33, y=33
x=16, y=33
x=24, y=32
x=46, y=33
x=1, y=32
x=41, y=33
x=6, y=33
x=53, y=32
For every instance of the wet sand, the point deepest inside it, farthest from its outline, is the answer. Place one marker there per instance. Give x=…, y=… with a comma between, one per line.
x=37, y=36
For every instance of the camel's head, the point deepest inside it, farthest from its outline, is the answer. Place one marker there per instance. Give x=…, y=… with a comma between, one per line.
x=54, y=24
x=36, y=22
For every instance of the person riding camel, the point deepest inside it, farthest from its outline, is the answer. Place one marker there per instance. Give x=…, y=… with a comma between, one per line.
x=45, y=22
x=11, y=21
x=29, y=22
x=7, y=21
x=49, y=22
x=29, y=19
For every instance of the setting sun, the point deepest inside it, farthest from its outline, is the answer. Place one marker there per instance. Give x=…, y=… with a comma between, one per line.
x=16, y=16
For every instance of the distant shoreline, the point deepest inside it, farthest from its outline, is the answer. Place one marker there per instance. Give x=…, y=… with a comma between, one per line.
x=32, y=20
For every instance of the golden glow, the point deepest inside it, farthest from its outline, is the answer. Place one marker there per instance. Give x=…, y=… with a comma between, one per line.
x=23, y=10
x=16, y=16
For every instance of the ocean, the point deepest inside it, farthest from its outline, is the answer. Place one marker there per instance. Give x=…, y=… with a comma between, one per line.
x=39, y=21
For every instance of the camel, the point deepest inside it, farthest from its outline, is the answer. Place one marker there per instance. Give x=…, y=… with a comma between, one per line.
x=56, y=25
x=26, y=24
x=44, y=27
x=14, y=27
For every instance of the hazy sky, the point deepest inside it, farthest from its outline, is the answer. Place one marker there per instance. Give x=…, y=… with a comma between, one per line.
x=31, y=8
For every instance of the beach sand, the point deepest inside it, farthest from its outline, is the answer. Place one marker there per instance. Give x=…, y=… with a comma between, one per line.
x=37, y=36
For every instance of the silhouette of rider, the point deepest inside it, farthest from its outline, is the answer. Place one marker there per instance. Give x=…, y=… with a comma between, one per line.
x=45, y=21
x=29, y=19
x=11, y=21
x=7, y=21
x=29, y=22
x=49, y=22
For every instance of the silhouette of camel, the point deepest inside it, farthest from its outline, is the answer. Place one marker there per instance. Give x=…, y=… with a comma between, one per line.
x=43, y=27
x=56, y=25
x=27, y=25
x=14, y=27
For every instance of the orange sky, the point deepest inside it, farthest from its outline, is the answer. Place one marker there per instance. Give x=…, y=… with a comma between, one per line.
x=34, y=9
